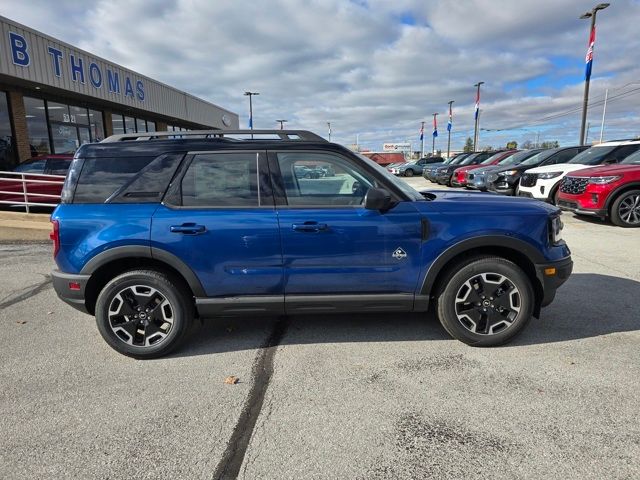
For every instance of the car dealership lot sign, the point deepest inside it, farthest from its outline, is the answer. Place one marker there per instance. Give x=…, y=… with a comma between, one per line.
x=396, y=147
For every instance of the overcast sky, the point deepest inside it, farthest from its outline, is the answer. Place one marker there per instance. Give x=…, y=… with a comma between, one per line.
x=373, y=68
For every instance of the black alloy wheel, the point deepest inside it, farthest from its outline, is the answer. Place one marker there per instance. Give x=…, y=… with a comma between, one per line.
x=144, y=313
x=485, y=301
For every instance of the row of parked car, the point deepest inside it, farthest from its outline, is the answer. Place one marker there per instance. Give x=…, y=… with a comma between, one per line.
x=602, y=180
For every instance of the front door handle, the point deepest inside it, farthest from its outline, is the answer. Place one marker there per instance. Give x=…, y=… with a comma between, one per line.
x=312, y=227
x=188, y=229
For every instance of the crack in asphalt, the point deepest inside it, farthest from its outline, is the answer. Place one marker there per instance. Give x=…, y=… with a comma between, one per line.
x=28, y=292
x=233, y=457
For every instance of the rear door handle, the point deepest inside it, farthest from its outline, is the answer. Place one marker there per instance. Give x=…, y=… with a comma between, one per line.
x=188, y=229
x=312, y=227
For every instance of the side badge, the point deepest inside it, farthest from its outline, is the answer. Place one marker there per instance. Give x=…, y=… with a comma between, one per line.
x=399, y=254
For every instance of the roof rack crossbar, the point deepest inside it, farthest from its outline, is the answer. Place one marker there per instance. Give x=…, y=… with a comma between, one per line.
x=285, y=135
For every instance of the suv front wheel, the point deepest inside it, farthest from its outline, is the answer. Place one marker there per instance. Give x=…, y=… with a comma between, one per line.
x=144, y=313
x=485, y=301
x=625, y=211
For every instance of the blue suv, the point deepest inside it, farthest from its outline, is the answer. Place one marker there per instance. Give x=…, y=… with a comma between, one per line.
x=155, y=231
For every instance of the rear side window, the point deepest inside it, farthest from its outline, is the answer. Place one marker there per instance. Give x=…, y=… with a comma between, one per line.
x=36, y=166
x=58, y=166
x=221, y=180
x=101, y=177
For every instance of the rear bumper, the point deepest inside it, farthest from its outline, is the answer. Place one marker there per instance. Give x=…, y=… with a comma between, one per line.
x=75, y=297
x=551, y=276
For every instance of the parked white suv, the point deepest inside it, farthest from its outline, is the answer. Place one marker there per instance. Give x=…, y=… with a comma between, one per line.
x=543, y=182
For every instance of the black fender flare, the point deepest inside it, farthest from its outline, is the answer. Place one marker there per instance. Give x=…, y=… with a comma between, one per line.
x=494, y=241
x=141, y=251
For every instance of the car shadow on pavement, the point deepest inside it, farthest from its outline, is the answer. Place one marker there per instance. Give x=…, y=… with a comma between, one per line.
x=588, y=305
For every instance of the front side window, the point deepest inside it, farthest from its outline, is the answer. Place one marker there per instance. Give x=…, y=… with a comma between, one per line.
x=322, y=179
x=36, y=166
x=221, y=180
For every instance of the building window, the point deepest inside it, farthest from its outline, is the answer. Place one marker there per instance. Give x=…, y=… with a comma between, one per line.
x=7, y=148
x=96, y=124
x=37, y=126
x=129, y=125
x=123, y=124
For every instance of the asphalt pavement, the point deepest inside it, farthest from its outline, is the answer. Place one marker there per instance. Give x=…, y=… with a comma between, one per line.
x=355, y=397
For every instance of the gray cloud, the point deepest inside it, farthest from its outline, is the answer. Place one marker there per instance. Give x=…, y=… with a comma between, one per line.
x=355, y=64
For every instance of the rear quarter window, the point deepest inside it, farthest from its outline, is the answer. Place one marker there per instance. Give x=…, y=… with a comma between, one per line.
x=101, y=177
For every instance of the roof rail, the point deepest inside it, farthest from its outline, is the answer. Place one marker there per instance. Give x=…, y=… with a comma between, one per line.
x=285, y=135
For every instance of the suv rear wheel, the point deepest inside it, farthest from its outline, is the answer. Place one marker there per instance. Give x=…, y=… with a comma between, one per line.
x=625, y=211
x=485, y=301
x=144, y=313
x=408, y=172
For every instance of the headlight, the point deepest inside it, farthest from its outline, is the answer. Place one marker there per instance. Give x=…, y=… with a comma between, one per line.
x=548, y=175
x=556, y=230
x=509, y=173
x=603, y=180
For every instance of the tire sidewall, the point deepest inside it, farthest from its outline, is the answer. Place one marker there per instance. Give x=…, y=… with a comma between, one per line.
x=168, y=289
x=408, y=172
x=446, y=301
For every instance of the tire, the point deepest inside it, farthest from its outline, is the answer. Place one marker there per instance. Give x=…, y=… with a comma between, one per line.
x=495, y=318
x=408, y=172
x=553, y=196
x=625, y=211
x=168, y=313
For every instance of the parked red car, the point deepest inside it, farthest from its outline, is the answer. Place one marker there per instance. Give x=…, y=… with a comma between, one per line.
x=11, y=189
x=610, y=191
x=459, y=178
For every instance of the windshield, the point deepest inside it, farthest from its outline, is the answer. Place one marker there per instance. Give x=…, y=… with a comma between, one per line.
x=403, y=186
x=518, y=158
x=458, y=160
x=592, y=156
x=493, y=158
x=540, y=157
x=633, y=159
x=469, y=159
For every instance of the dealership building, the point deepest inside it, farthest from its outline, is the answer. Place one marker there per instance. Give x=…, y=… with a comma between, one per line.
x=55, y=97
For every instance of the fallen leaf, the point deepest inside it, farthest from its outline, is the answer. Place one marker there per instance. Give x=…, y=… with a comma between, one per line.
x=21, y=322
x=49, y=313
x=231, y=380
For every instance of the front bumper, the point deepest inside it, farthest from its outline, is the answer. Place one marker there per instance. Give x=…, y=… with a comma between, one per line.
x=551, y=276
x=62, y=285
x=574, y=207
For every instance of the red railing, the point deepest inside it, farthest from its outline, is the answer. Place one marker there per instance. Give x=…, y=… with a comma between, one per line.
x=15, y=189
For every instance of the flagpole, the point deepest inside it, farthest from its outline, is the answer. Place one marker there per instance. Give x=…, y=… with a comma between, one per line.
x=449, y=125
x=587, y=76
x=477, y=115
x=435, y=133
x=422, y=140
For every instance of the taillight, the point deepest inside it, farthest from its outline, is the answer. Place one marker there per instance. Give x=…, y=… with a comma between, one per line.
x=55, y=236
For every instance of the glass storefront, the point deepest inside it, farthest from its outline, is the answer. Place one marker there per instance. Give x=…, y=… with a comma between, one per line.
x=123, y=124
x=60, y=128
x=7, y=148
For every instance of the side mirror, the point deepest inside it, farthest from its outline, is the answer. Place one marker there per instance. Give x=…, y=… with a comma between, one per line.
x=377, y=199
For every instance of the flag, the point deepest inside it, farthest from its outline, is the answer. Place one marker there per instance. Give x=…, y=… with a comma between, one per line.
x=422, y=131
x=450, y=122
x=477, y=104
x=250, y=122
x=589, y=57
x=435, y=127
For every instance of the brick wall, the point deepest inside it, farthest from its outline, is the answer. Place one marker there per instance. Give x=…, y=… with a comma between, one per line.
x=18, y=118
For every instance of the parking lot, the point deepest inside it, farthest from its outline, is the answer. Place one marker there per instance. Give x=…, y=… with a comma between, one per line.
x=360, y=397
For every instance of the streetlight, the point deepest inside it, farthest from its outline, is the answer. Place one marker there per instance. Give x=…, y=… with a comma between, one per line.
x=250, y=94
x=589, y=61
x=477, y=115
x=282, y=122
x=449, y=126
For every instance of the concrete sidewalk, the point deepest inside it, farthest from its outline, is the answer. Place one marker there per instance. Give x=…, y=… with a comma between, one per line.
x=25, y=227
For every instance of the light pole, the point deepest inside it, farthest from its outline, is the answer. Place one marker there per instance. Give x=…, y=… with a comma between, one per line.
x=250, y=94
x=282, y=122
x=329, y=125
x=477, y=115
x=589, y=61
x=422, y=139
x=435, y=133
x=449, y=126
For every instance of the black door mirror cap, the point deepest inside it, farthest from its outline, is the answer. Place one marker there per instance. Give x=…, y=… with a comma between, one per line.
x=378, y=199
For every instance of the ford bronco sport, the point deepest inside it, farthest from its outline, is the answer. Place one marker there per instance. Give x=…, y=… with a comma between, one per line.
x=155, y=230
